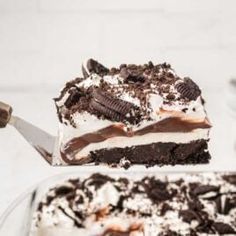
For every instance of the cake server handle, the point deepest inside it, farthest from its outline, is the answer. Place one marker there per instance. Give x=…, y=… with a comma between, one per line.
x=5, y=114
x=42, y=141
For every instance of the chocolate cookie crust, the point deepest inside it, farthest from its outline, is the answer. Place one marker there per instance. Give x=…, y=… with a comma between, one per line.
x=195, y=152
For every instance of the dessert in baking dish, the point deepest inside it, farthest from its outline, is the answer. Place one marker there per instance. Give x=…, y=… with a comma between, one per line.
x=173, y=205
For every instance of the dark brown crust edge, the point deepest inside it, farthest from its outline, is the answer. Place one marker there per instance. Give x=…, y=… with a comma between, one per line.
x=195, y=152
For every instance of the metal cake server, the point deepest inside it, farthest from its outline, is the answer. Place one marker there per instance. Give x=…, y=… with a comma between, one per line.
x=42, y=141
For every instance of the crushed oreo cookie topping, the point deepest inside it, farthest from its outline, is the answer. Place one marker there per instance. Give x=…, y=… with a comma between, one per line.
x=122, y=88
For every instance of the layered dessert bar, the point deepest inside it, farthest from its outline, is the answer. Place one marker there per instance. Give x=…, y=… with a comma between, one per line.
x=173, y=205
x=134, y=114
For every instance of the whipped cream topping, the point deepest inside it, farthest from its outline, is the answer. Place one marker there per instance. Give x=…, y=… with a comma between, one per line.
x=193, y=109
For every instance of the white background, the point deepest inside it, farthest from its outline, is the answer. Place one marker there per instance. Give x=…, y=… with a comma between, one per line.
x=43, y=43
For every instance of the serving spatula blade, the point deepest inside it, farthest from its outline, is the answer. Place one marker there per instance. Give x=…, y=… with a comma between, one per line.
x=42, y=141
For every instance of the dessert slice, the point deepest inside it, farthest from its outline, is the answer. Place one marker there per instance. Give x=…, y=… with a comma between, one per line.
x=177, y=204
x=134, y=114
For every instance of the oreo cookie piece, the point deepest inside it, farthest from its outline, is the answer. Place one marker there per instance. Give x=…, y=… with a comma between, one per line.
x=158, y=192
x=73, y=98
x=64, y=190
x=170, y=233
x=98, y=180
x=132, y=76
x=188, y=89
x=223, y=228
x=231, y=179
x=189, y=215
x=115, y=104
x=112, y=232
x=105, y=111
x=165, y=207
x=124, y=72
x=85, y=72
x=224, y=204
x=93, y=66
x=203, y=189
